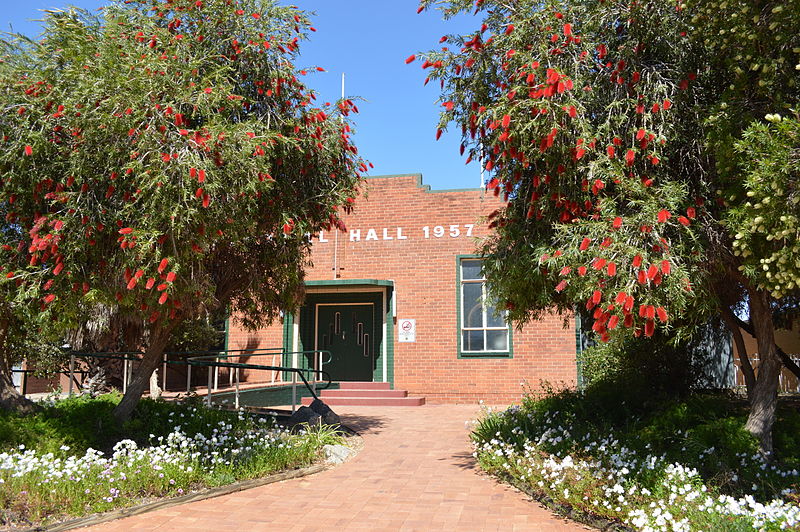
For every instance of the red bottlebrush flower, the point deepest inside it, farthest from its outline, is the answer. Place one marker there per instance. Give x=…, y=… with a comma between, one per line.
x=610, y=151
x=420, y=9
x=411, y=58
x=640, y=134
x=438, y=134
x=612, y=322
x=654, y=160
x=201, y=176
x=663, y=216
x=581, y=270
x=28, y=151
x=628, y=321
x=567, y=29
x=652, y=271
x=192, y=172
x=649, y=328
x=198, y=192
x=132, y=283
x=665, y=267
x=662, y=314
x=154, y=317
x=585, y=244
x=683, y=220
x=561, y=286
x=572, y=111
x=599, y=264
x=287, y=228
x=630, y=155
x=163, y=298
x=617, y=222
x=138, y=274
x=612, y=269
x=162, y=287
x=150, y=282
x=509, y=29
x=580, y=152
x=666, y=104
x=163, y=265
x=628, y=306
x=58, y=268
x=126, y=230
x=641, y=277
x=110, y=191
x=596, y=295
x=691, y=212
x=565, y=271
x=49, y=298
x=621, y=297
x=506, y=121
x=206, y=200
x=171, y=277
x=637, y=261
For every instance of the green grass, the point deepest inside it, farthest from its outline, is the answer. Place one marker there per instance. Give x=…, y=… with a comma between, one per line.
x=49, y=469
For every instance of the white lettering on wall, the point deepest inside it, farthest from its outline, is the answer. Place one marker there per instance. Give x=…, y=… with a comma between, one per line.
x=398, y=233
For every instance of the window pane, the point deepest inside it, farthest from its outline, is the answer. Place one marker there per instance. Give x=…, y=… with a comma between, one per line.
x=495, y=320
x=473, y=341
x=497, y=340
x=471, y=269
x=473, y=310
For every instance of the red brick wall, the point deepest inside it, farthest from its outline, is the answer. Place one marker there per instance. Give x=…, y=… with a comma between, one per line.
x=424, y=271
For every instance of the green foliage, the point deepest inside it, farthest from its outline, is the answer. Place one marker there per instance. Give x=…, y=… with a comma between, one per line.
x=617, y=132
x=78, y=422
x=166, y=160
x=164, y=450
x=765, y=226
x=641, y=432
x=660, y=363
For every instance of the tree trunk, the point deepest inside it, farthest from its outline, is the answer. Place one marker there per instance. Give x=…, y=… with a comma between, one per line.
x=764, y=396
x=10, y=398
x=744, y=360
x=140, y=380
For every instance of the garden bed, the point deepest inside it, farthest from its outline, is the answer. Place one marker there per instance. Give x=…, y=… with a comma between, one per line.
x=648, y=463
x=72, y=460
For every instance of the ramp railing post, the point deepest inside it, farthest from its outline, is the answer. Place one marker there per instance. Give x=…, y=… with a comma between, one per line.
x=294, y=391
x=71, y=372
x=208, y=390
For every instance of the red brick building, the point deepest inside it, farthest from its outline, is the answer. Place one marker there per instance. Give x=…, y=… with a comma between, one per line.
x=398, y=298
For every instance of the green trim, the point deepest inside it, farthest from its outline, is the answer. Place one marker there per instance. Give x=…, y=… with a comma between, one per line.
x=288, y=342
x=426, y=188
x=472, y=354
x=389, y=377
x=579, y=351
x=350, y=282
x=227, y=331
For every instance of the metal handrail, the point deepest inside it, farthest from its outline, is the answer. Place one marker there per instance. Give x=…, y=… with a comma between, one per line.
x=211, y=359
x=296, y=372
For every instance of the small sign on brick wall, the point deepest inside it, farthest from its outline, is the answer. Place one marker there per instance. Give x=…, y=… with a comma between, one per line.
x=407, y=330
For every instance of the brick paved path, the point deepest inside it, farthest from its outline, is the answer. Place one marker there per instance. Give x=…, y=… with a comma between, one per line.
x=415, y=472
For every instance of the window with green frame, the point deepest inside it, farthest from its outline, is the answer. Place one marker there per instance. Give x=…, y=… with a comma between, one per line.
x=483, y=331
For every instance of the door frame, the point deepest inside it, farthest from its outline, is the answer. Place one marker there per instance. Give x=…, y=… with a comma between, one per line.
x=349, y=287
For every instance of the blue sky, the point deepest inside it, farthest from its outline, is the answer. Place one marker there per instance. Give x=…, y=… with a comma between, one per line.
x=369, y=41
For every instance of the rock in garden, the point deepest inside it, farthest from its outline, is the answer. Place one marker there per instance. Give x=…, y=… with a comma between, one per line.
x=329, y=417
x=336, y=454
x=305, y=415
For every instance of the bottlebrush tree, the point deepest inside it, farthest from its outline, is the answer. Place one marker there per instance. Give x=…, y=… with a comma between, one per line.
x=167, y=159
x=616, y=131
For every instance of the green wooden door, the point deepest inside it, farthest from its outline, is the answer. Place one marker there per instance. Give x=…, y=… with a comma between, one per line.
x=347, y=331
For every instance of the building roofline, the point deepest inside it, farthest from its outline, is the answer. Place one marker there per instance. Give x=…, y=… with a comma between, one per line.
x=426, y=188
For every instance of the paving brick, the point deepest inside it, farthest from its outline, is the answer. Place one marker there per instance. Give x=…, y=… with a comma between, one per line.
x=415, y=472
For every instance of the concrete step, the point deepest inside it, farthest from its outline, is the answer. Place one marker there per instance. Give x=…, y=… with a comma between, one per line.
x=358, y=385
x=325, y=394
x=369, y=401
